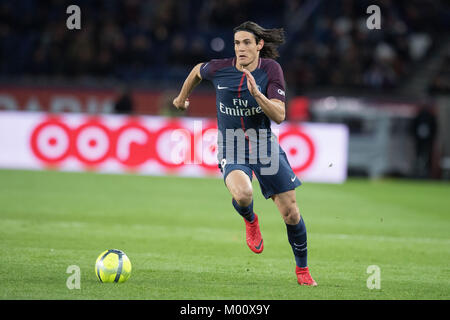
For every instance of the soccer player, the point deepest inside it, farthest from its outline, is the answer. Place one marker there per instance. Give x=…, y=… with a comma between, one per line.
x=250, y=92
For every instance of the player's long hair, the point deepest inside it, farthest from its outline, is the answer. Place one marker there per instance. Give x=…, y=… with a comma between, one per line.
x=272, y=38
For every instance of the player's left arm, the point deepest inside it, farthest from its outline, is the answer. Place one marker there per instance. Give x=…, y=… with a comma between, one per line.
x=273, y=108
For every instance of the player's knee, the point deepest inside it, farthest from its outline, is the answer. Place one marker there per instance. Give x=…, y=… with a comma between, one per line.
x=291, y=214
x=244, y=197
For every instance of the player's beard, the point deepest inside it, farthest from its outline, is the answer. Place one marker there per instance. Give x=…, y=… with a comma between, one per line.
x=246, y=62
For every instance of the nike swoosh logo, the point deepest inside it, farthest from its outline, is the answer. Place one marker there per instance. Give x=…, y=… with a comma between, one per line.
x=259, y=245
x=293, y=179
x=205, y=65
x=220, y=88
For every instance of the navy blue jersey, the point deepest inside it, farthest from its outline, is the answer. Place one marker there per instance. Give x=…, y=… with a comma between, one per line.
x=236, y=107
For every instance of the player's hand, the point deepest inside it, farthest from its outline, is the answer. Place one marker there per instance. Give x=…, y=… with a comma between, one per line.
x=251, y=84
x=181, y=104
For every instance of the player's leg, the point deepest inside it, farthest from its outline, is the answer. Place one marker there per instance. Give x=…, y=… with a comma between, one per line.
x=240, y=187
x=238, y=182
x=296, y=231
x=280, y=186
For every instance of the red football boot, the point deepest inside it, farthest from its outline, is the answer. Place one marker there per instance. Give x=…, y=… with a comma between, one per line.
x=304, y=277
x=253, y=235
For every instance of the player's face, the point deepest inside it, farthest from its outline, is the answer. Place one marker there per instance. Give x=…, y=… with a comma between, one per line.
x=246, y=48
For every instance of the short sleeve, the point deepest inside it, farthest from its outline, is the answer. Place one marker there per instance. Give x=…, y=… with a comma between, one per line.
x=206, y=71
x=276, y=86
x=209, y=69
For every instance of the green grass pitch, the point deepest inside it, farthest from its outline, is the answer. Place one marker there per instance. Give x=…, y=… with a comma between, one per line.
x=185, y=241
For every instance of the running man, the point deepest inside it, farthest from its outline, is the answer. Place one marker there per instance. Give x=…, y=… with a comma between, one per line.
x=250, y=92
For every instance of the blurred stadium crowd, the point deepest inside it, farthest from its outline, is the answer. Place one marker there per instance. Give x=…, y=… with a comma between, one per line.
x=159, y=41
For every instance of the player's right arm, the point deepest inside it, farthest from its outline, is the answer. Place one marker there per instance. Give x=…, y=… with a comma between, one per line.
x=192, y=80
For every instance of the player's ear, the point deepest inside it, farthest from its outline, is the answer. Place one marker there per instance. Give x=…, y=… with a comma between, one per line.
x=260, y=45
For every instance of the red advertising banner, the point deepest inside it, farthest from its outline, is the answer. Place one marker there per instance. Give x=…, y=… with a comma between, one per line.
x=97, y=101
x=155, y=145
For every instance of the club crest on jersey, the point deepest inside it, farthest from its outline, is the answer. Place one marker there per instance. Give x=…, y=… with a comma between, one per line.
x=223, y=163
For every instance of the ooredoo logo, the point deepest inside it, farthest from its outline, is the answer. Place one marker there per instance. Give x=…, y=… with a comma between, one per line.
x=172, y=143
x=92, y=142
x=51, y=141
x=299, y=148
x=132, y=144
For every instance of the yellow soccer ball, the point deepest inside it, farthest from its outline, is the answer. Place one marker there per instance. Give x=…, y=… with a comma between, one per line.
x=113, y=266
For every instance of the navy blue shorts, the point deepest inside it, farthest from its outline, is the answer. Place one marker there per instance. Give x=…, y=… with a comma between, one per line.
x=284, y=179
